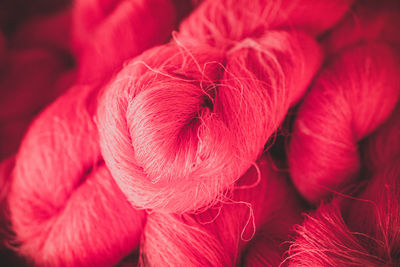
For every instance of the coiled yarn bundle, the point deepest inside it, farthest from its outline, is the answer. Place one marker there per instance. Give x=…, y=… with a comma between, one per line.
x=344, y=105
x=189, y=118
x=361, y=231
x=200, y=133
x=76, y=195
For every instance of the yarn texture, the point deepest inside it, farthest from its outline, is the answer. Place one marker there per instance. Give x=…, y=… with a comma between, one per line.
x=199, y=133
x=181, y=120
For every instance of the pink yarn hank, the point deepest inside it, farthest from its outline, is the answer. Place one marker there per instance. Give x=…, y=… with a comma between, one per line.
x=351, y=97
x=361, y=231
x=180, y=124
x=65, y=208
x=108, y=32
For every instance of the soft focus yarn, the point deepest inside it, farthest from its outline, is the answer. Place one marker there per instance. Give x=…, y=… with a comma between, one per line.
x=351, y=97
x=225, y=22
x=35, y=68
x=362, y=231
x=80, y=200
x=44, y=68
x=7, y=256
x=154, y=152
x=47, y=31
x=5, y=171
x=46, y=74
x=13, y=13
x=368, y=20
x=218, y=236
x=2, y=47
x=108, y=32
x=64, y=206
x=282, y=210
x=185, y=119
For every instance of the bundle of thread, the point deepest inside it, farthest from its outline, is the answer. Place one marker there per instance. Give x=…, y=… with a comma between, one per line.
x=46, y=46
x=362, y=230
x=156, y=155
x=355, y=173
x=107, y=32
x=190, y=117
x=263, y=200
x=351, y=97
x=33, y=72
x=38, y=222
x=353, y=94
x=78, y=197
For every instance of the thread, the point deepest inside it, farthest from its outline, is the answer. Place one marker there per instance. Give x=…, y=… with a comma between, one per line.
x=51, y=31
x=366, y=21
x=219, y=235
x=21, y=98
x=271, y=241
x=187, y=119
x=220, y=23
x=15, y=13
x=360, y=231
x=7, y=256
x=181, y=125
x=65, y=208
x=5, y=170
x=106, y=33
x=350, y=98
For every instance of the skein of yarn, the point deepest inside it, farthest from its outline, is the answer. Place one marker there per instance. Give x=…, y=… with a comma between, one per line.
x=350, y=98
x=362, y=231
x=368, y=20
x=184, y=120
x=108, y=32
x=157, y=153
x=65, y=208
x=219, y=235
x=79, y=190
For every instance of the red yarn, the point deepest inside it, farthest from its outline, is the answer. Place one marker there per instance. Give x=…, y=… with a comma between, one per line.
x=362, y=231
x=29, y=81
x=181, y=126
x=5, y=171
x=368, y=20
x=65, y=208
x=271, y=240
x=176, y=124
x=385, y=143
x=108, y=32
x=47, y=31
x=16, y=12
x=188, y=119
x=218, y=236
x=351, y=97
x=225, y=22
x=7, y=256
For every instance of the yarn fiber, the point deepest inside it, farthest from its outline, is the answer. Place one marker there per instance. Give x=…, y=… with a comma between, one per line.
x=349, y=99
x=199, y=133
x=181, y=120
